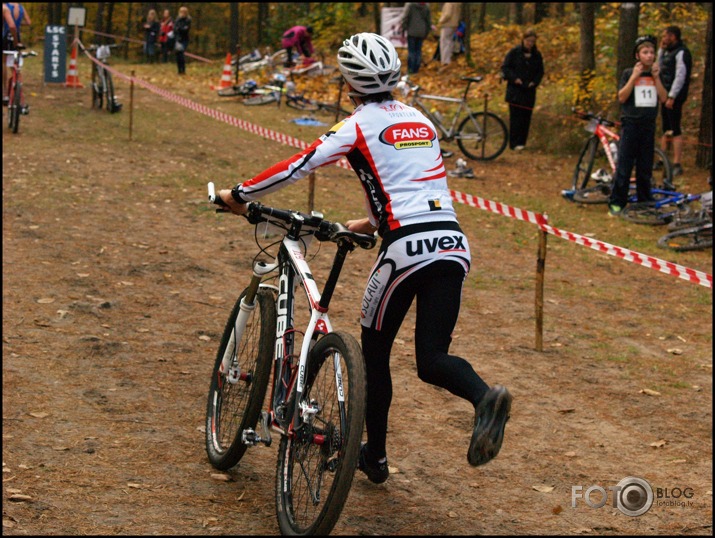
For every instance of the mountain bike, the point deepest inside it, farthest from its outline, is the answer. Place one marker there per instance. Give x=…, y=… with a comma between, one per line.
x=593, y=175
x=668, y=206
x=298, y=101
x=694, y=232
x=317, y=398
x=102, y=82
x=481, y=136
x=268, y=93
x=16, y=105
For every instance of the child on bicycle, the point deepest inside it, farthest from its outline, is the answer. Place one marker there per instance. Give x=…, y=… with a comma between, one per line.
x=394, y=150
x=640, y=92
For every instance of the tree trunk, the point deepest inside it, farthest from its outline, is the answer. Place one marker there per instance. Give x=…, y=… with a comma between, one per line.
x=704, y=155
x=234, y=45
x=481, y=25
x=54, y=13
x=128, y=31
x=588, y=61
x=98, y=23
x=108, y=26
x=518, y=9
x=262, y=21
x=541, y=11
x=467, y=18
x=376, y=15
x=627, y=34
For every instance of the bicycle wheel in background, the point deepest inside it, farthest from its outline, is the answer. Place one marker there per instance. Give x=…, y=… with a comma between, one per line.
x=649, y=213
x=301, y=103
x=596, y=194
x=695, y=238
x=482, y=136
x=592, y=160
x=14, y=102
x=317, y=463
x=110, y=93
x=233, y=407
x=662, y=171
x=97, y=90
x=261, y=99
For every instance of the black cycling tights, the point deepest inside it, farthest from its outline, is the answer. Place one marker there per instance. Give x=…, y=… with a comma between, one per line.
x=438, y=289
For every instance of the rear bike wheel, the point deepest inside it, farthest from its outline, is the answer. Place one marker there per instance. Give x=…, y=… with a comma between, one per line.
x=301, y=103
x=233, y=407
x=695, y=238
x=14, y=106
x=662, y=177
x=317, y=462
x=111, y=108
x=482, y=136
x=597, y=194
x=97, y=90
x=649, y=213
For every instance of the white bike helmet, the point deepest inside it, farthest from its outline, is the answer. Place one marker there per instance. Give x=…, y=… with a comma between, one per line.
x=369, y=63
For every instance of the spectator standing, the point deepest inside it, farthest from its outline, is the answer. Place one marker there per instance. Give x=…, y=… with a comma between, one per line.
x=417, y=24
x=639, y=92
x=448, y=22
x=409, y=205
x=523, y=69
x=676, y=64
x=151, y=34
x=300, y=38
x=166, y=37
x=182, y=27
x=14, y=16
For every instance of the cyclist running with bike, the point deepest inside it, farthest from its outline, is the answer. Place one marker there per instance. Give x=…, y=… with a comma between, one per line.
x=424, y=255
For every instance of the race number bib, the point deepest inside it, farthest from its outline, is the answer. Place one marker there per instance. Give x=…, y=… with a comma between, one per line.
x=645, y=93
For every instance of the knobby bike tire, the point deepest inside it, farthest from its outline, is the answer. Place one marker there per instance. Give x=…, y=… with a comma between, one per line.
x=584, y=166
x=260, y=99
x=301, y=104
x=14, y=107
x=232, y=408
x=313, y=480
x=695, y=238
x=478, y=145
x=111, y=108
x=97, y=90
x=598, y=194
x=231, y=91
x=649, y=213
x=662, y=171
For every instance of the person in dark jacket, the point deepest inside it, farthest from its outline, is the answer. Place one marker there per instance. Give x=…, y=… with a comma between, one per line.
x=416, y=23
x=182, y=25
x=151, y=34
x=676, y=64
x=523, y=69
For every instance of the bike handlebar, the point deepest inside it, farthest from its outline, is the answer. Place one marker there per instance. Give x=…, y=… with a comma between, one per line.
x=587, y=116
x=324, y=230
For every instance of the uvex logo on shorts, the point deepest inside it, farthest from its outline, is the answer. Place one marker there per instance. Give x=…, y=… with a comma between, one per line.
x=409, y=134
x=445, y=243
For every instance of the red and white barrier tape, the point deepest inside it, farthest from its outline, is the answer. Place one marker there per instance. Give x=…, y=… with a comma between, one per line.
x=691, y=275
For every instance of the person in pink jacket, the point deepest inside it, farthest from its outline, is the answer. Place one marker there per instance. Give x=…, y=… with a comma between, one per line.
x=300, y=38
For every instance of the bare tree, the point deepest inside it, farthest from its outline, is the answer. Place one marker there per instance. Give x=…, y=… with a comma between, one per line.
x=481, y=24
x=704, y=156
x=98, y=23
x=541, y=11
x=588, y=61
x=233, y=28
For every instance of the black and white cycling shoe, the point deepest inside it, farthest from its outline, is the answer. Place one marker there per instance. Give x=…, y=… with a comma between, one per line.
x=490, y=417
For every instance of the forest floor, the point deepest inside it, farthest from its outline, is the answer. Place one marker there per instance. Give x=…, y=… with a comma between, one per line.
x=118, y=278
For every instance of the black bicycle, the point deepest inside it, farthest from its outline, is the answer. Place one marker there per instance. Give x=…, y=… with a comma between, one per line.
x=102, y=82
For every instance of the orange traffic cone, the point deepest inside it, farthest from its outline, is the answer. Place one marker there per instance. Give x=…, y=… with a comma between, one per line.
x=226, y=76
x=72, y=76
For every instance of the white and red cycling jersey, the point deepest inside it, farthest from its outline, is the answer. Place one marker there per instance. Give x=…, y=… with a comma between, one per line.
x=393, y=149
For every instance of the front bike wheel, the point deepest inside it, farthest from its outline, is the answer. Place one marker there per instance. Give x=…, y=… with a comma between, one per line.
x=695, y=238
x=316, y=464
x=299, y=103
x=110, y=93
x=14, y=106
x=233, y=407
x=649, y=213
x=261, y=99
x=482, y=136
x=97, y=90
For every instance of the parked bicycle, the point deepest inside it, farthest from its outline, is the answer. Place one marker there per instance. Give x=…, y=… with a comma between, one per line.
x=268, y=93
x=298, y=101
x=481, y=136
x=669, y=206
x=102, y=82
x=594, y=173
x=16, y=105
x=317, y=398
x=694, y=232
